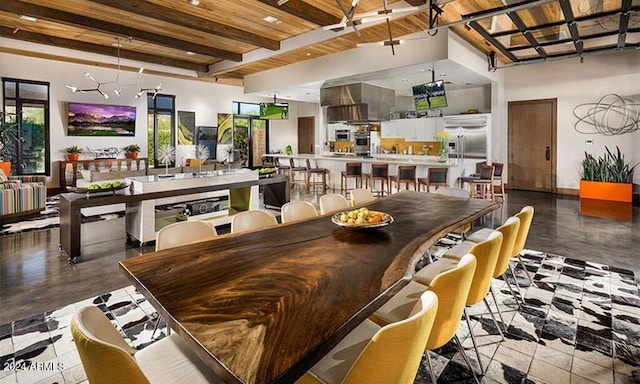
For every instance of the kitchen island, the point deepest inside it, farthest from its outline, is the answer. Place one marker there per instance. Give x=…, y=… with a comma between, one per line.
x=335, y=163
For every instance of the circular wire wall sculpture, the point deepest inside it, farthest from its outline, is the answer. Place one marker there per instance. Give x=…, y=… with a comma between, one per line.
x=612, y=115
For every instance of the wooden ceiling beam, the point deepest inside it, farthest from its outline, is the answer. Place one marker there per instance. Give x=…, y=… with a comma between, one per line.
x=416, y=3
x=33, y=37
x=22, y=8
x=304, y=11
x=172, y=16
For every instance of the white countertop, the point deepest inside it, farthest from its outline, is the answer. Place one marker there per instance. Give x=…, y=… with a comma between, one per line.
x=386, y=158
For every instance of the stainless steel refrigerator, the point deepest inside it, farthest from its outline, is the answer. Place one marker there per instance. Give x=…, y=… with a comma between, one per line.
x=470, y=136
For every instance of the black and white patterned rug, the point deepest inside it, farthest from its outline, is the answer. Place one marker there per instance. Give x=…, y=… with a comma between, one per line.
x=49, y=218
x=580, y=324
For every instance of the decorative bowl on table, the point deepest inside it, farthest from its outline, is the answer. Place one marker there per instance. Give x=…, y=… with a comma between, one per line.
x=362, y=218
x=101, y=187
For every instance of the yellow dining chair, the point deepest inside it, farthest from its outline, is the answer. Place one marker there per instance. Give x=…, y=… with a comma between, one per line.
x=526, y=217
x=297, y=210
x=333, y=202
x=509, y=232
x=252, y=220
x=383, y=355
x=107, y=358
x=361, y=196
x=184, y=232
x=486, y=254
x=452, y=288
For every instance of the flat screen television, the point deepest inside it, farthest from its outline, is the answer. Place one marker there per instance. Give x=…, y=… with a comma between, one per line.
x=100, y=120
x=274, y=111
x=429, y=96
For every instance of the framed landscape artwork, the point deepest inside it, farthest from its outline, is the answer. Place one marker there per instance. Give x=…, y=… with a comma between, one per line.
x=186, y=128
x=100, y=120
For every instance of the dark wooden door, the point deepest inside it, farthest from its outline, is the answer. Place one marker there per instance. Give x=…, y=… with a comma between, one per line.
x=306, y=134
x=532, y=145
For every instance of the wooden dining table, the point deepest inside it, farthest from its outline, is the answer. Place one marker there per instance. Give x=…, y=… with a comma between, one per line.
x=265, y=306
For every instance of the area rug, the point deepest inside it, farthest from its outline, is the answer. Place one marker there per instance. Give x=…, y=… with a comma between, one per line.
x=580, y=324
x=49, y=218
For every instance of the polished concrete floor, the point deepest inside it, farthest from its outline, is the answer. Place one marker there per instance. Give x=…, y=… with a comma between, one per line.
x=35, y=277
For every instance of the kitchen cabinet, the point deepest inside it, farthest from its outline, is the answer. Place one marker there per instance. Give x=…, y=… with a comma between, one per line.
x=392, y=129
x=417, y=129
x=332, y=128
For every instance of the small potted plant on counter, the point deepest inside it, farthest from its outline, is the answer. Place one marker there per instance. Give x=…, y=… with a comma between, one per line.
x=131, y=151
x=73, y=152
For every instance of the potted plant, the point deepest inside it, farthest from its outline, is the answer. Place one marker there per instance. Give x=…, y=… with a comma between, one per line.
x=608, y=177
x=73, y=152
x=131, y=151
x=8, y=140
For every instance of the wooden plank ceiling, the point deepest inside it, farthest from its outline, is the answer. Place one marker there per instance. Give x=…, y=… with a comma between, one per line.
x=179, y=34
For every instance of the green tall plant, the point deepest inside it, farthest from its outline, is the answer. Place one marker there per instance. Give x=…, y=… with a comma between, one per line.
x=611, y=167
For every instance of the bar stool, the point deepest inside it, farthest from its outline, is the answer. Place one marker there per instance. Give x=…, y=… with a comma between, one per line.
x=351, y=171
x=282, y=168
x=407, y=175
x=379, y=172
x=312, y=174
x=498, y=182
x=480, y=185
x=435, y=176
x=297, y=170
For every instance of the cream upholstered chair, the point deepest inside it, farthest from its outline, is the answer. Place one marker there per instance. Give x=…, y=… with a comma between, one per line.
x=297, y=210
x=361, y=196
x=184, y=232
x=107, y=358
x=385, y=355
x=252, y=220
x=333, y=202
x=486, y=254
x=452, y=288
x=509, y=232
x=457, y=192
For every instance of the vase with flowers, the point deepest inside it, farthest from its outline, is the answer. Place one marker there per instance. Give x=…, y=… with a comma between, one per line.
x=443, y=141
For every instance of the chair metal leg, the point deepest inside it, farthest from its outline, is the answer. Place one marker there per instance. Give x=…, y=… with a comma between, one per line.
x=466, y=359
x=513, y=293
x=434, y=379
x=526, y=271
x=473, y=339
x=494, y=318
x=495, y=301
x=515, y=278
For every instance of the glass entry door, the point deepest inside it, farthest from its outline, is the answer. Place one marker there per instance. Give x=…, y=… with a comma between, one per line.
x=249, y=140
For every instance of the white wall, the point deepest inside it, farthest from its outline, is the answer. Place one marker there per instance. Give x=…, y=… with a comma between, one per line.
x=573, y=83
x=206, y=99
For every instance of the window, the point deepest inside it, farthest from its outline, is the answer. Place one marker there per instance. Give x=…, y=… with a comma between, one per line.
x=161, y=124
x=27, y=103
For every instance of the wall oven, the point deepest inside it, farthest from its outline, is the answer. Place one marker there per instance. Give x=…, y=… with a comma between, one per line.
x=362, y=145
x=343, y=135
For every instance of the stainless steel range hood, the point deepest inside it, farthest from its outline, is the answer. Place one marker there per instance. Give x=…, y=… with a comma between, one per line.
x=357, y=103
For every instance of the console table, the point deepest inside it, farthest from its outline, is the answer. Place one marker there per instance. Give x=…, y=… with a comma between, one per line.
x=72, y=203
x=96, y=165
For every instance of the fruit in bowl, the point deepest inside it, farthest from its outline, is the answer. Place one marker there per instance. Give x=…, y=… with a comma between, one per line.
x=361, y=216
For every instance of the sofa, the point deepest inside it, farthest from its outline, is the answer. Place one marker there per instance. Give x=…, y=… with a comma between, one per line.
x=21, y=197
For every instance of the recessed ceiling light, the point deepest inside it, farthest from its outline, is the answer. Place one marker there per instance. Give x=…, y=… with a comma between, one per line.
x=422, y=70
x=271, y=19
x=468, y=83
x=195, y=3
x=405, y=80
x=308, y=53
x=28, y=18
x=443, y=74
x=190, y=53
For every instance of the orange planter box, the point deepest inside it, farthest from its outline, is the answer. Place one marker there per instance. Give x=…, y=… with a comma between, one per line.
x=606, y=191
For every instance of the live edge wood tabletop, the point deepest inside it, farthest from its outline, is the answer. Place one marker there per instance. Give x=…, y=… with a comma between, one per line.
x=264, y=306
